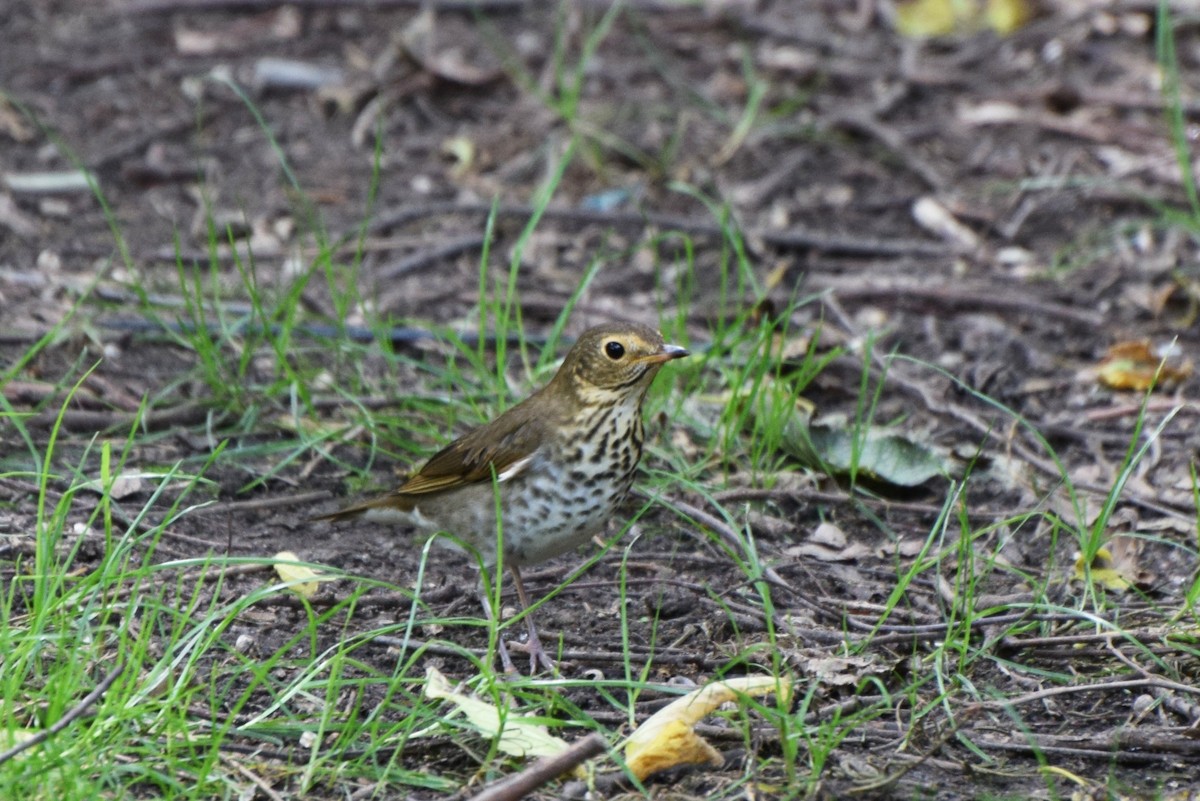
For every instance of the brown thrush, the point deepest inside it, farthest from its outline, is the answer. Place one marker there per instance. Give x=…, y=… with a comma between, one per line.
x=560, y=461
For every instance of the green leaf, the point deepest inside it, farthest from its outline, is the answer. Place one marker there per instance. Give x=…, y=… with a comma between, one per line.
x=878, y=453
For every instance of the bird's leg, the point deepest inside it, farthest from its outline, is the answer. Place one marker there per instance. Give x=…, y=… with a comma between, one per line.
x=506, y=662
x=537, y=654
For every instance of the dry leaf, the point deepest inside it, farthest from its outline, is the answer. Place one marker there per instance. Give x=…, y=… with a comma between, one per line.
x=518, y=736
x=934, y=217
x=1102, y=571
x=667, y=738
x=1006, y=16
x=461, y=151
x=924, y=18
x=297, y=576
x=828, y=543
x=123, y=486
x=1136, y=365
x=829, y=535
x=880, y=454
x=841, y=670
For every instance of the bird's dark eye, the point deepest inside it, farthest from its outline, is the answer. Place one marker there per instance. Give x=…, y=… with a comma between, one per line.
x=614, y=350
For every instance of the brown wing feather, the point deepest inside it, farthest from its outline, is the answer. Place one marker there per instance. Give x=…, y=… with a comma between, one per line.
x=497, y=447
x=472, y=458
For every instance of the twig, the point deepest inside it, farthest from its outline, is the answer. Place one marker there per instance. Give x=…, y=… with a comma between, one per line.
x=66, y=720
x=1049, y=692
x=259, y=504
x=544, y=770
x=416, y=261
x=790, y=238
x=961, y=298
x=140, y=7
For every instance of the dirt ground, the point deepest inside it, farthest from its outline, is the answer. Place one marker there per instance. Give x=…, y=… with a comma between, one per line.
x=993, y=206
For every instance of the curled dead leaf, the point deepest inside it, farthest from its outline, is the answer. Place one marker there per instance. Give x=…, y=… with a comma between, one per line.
x=668, y=738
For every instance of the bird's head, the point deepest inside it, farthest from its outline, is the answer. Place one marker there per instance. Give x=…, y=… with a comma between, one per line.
x=616, y=360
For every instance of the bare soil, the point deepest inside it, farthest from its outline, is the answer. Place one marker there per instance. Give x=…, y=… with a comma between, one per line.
x=1047, y=152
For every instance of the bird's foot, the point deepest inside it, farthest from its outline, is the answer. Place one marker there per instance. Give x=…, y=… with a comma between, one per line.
x=538, y=658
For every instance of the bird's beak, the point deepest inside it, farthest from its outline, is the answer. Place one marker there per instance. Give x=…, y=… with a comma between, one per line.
x=665, y=354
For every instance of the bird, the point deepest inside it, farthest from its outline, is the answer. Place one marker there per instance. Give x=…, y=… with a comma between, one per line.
x=556, y=465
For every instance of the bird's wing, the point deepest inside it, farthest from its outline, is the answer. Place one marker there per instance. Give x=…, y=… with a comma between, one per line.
x=503, y=448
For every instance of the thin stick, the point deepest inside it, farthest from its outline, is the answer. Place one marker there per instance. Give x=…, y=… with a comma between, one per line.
x=544, y=770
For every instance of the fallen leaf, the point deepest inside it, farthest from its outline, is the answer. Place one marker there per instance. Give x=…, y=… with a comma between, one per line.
x=829, y=535
x=122, y=486
x=879, y=454
x=461, y=151
x=921, y=18
x=933, y=216
x=828, y=543
x=518, y=736
x=927, y=18
x=297, y=576
x=1101, y=571
x=824, y=553
x=668, y=738
x=1137, y=365
x=841, y=670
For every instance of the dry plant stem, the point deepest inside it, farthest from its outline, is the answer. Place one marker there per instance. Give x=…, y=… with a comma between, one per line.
x=791, y=238
x=1127, y=748
x=416, y=261
x=259, y=504
x=185, y=414
x=137, y=7
x=1131, y=409
x=72, y=714
x=962, y=298
x=1150, y=681
x=868, y=123
x=677, y=658
x=544, y=770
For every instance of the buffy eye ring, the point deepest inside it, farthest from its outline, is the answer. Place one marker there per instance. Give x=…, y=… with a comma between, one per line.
x=614, y=350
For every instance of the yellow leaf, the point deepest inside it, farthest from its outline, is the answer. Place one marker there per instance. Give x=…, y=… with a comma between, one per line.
x=518, y=736
x=926, y=18
x=667, y=738
x=1103, y=572
x=1137, y=365
x=461, y=150
x=1006, y=16
x=297, y=576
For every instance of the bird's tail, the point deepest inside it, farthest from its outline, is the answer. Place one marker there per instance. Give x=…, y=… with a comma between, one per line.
x=349, y=513
x=389, y=508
